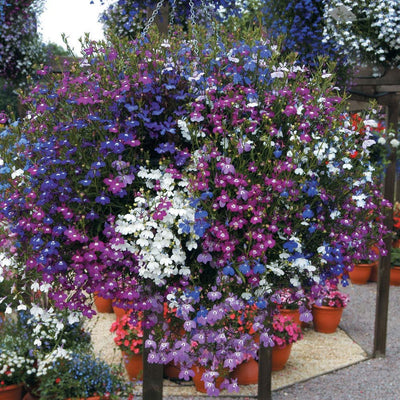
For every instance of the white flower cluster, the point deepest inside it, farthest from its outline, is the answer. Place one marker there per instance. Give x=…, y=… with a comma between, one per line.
x=160, y=227
x=10, y=362
x=366, y=30
x=47, y=361
x=6, y=263
x=295, y=267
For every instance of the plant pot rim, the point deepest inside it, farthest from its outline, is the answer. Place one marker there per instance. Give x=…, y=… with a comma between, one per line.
x=328, y=307
x=364, y=265
x=11, y=386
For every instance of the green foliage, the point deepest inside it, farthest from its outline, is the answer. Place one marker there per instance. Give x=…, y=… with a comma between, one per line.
x=5, y=290
x=395, y=257
x=81, y=376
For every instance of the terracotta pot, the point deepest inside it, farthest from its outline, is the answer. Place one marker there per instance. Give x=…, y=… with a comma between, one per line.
x=280, y=355
x=361, y=273
x=171, y=371
x=326, y=319
x=103, y=305
x=30, y=396
x=11, y=392
x=88, y=398
x=119, y=311
x=396, y=244
x=395, y=276
x=199, y=383
x=246, y=373
x=294, y=315
x=133, y=365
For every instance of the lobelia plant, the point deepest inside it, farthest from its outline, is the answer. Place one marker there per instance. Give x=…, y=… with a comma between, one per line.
x=293, y=299
x=243, y=163
x=33, y=340
x=81, y=375
x=329, y=295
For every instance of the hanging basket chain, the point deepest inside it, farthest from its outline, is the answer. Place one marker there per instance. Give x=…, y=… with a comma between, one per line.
x=209, y=17
x=172, y=17
x=194, y=28
x=151, y=19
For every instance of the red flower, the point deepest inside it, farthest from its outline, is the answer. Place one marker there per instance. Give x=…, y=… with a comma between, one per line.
x=58, y=380
x=354, y=154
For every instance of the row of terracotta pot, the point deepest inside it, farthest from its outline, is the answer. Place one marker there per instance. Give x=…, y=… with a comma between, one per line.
x=362, y=273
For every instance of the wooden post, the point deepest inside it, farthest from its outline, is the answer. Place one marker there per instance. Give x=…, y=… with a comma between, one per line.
x=383, y=285
x=264, y=373
x=152, y=376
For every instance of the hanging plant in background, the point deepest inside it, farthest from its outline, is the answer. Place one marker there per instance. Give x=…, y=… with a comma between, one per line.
x=366, y=31
x=20, y=44
x=127, y=18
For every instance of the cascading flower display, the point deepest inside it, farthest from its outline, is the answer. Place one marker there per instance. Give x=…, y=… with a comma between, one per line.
x=200, y=183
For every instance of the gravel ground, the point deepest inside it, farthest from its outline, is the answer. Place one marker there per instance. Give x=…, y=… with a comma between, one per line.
x=372, y=379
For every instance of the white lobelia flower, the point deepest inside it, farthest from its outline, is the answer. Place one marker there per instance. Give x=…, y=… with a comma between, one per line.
x=16, y=173
x=360, y=200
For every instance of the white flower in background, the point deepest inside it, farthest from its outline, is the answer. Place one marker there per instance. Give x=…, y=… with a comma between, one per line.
x=365, y=30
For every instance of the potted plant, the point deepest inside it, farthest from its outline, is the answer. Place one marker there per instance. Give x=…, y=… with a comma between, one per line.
x=36, y=337
x=284, y=333
x=396, y=225
x=293, y=302
x=81, y=375
x=327, y=307
x=395, y=266
x=129, y=338
x=361, y=270
x=12, y=370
